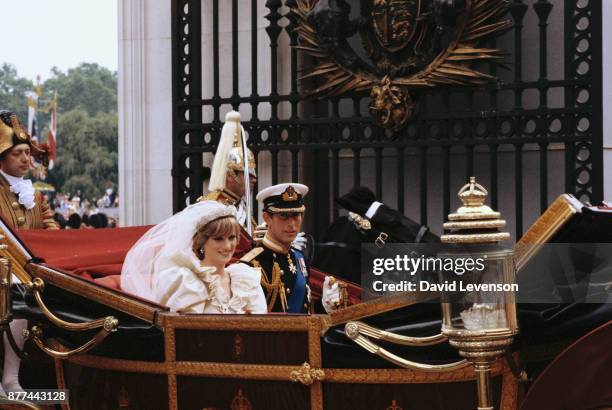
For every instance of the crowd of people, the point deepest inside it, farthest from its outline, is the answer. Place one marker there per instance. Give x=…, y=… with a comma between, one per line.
x=73, y=211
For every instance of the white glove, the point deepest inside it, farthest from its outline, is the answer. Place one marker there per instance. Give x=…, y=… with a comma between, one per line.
x=330, y=297
x=260, y=232
x=300, y=242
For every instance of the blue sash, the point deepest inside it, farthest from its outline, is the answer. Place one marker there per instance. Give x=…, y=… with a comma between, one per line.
x=298, y=293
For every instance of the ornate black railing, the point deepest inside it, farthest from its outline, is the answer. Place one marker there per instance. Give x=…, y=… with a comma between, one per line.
x=532, y=135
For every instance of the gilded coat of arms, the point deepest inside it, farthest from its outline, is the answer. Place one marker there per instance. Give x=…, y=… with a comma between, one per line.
x=393, y=47
x=394, y=22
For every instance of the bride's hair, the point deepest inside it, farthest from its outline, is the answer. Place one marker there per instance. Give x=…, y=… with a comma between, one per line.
x=223, y=226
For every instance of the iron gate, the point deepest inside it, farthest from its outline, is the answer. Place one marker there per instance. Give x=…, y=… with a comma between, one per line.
x=532, y=135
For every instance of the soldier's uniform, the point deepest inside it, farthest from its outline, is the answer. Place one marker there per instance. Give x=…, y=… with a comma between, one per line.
x=36, y=215
x=18, y=216
x=229, y=158
x=21, y=207
x=227, y=197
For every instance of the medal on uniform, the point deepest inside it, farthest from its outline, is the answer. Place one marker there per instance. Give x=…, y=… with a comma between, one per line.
x=292, y=267
x=303, y=266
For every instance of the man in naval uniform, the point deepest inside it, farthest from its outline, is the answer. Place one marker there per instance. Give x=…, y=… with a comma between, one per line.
x=284, y=271
x=21, y=207
x=228, y=184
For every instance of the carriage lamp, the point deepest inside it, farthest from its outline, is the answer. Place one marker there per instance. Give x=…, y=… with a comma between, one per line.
x=479, y=312
x=478, y=301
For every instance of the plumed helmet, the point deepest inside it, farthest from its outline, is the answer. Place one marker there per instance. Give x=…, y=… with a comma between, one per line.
x=229, y=152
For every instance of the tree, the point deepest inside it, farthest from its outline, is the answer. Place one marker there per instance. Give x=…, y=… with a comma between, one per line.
x=12, y=91
x=87, y=157
x=89, y=87
x=87, y=153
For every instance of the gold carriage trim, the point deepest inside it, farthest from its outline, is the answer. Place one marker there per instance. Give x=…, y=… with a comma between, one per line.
x=551, y=221
x=283, y=373
x=307, y=375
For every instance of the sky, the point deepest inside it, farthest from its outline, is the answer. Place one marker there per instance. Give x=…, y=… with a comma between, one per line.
x=40, y=34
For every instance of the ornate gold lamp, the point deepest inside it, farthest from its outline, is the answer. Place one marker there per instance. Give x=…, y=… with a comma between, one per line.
x=478, y=303
x=480, y=320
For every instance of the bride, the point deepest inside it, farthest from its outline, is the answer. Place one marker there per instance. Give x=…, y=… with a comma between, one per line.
x=181, y=262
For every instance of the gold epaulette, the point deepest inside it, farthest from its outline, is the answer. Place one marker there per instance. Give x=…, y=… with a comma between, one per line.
x=252, y=254
x=211, y=196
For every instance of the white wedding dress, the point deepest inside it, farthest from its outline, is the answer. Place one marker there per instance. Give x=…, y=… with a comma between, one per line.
x=186, y=286
x=161, y=267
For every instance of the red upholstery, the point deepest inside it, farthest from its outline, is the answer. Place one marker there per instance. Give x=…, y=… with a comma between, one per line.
x=316, y=284
x=99, y=253
x=92, y=253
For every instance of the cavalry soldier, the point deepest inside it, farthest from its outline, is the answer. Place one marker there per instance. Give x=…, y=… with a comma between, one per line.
x=228, y=183
x=284, y=271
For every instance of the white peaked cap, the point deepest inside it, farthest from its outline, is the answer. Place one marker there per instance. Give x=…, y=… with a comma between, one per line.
x=279, y=189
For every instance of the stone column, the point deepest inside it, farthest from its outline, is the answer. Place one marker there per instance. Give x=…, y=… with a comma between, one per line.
x=145, y=111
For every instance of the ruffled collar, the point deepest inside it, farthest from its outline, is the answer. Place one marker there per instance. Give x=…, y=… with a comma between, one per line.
x=244, y=282
x=23, y=188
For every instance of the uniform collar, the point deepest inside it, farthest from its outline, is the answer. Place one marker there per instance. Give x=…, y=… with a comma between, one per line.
x=11, y=179
x=274, y=246
x=232, y=195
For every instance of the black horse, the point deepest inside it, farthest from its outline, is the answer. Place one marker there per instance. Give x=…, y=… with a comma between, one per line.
x=339, y=252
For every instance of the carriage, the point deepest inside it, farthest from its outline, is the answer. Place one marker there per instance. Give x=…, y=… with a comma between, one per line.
x=113, y=350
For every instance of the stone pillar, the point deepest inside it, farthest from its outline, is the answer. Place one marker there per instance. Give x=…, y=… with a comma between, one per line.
x=145, y=111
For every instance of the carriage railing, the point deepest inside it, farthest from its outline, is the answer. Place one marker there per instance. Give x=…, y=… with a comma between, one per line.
x=35, y=286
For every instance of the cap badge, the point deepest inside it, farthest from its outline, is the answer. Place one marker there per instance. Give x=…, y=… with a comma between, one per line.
x=289, y=194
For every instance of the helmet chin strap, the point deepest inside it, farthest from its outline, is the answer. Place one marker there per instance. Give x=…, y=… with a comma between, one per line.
x=245, y=173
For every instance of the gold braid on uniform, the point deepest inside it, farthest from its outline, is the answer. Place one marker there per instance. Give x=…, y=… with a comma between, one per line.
x=274, y=287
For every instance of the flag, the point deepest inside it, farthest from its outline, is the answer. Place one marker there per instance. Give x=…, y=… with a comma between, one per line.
x=38, y=89
x=52, y=140
x=32, y=105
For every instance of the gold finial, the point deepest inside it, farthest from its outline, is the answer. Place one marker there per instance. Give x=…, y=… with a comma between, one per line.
x=474, y=222
x=473, y=194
